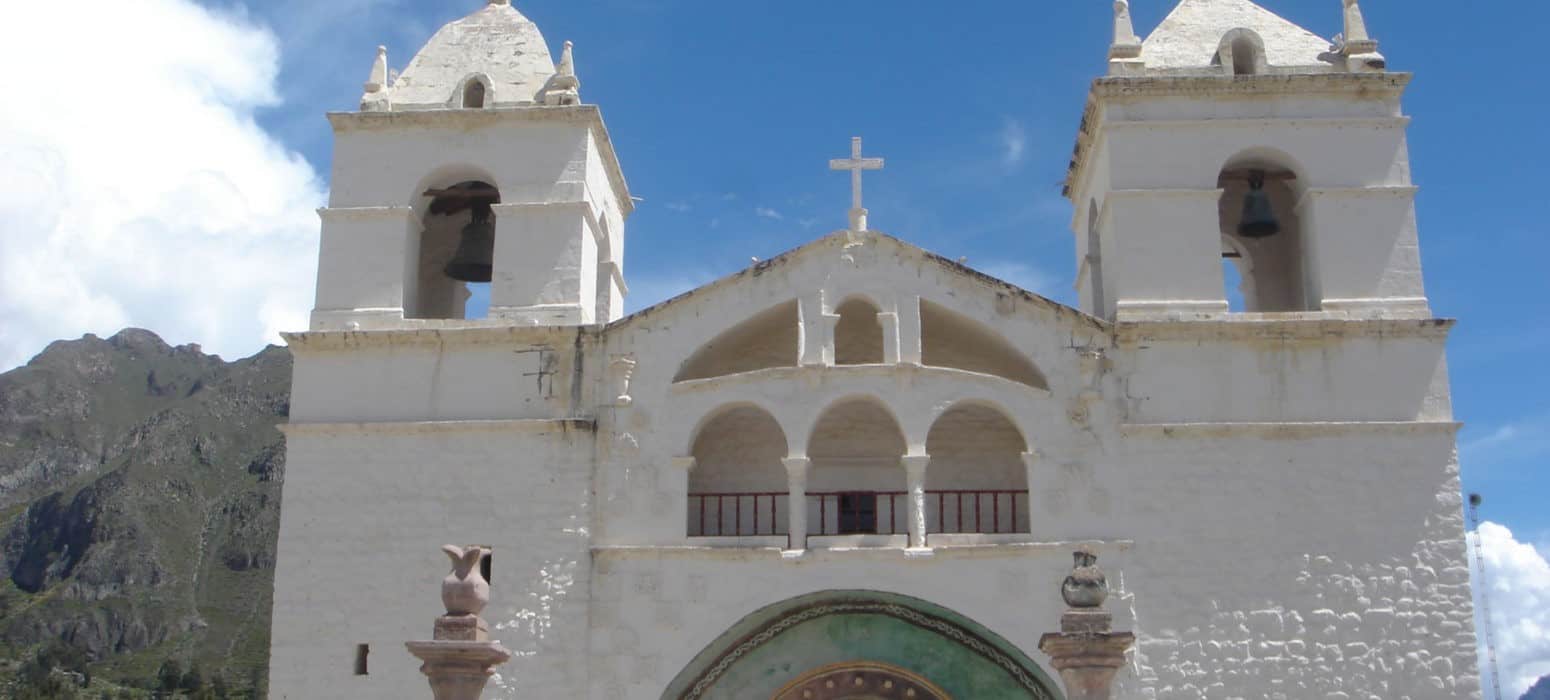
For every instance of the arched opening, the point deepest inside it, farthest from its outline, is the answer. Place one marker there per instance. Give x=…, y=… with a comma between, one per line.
x=950, y=339
x=1099, y=304
x=456, y=252
x=738, y=486
x=870, y=635
x=858, y=335
x=768, y=339
x=977, y=481
x=474, y=94
x=1243, y=57
x=856, y=482
x=1242, y=51
x=1262, y=234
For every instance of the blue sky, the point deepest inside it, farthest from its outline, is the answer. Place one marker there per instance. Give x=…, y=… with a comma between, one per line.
x=726, y=113
x=178, y=193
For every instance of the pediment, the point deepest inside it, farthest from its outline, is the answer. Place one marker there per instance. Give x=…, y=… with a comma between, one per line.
x=879, y=301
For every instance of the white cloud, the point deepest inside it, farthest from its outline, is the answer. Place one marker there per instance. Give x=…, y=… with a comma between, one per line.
x=1518, y=579
x=135, y=187
x=768, y=213
x=680, y=207
x=1014, y=143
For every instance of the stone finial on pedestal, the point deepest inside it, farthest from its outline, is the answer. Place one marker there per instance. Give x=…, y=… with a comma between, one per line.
x=1356, y=44
x=460, y=658
x=376, y=97
x=1086, y=651
x=564, y=88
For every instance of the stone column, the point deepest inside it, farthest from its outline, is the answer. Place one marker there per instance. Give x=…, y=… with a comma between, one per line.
x=460, y=658
x=1086, y=652
x=796, y=516
x=915, y=475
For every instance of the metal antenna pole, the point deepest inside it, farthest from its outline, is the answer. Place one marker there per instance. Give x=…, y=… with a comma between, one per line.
x=1485, y=595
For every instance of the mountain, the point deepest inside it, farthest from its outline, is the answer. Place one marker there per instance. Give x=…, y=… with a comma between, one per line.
x=139, y=505
x=1540, y=691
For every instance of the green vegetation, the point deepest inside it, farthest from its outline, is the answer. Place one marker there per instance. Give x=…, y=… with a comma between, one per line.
x=139, y=504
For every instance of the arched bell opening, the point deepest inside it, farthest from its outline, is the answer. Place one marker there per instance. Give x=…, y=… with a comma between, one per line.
x=858, y=335
x=1262, y=234
x=456, y=252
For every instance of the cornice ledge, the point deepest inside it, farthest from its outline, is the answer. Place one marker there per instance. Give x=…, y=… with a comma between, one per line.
x=820, y=374
x=1287, y=431
x=1391, y=122
x=1376, y=84
x=764, y=553
x=526, y=425
x=328, y=214
x=590, y=115
x=1279, y=327
x=461, y=335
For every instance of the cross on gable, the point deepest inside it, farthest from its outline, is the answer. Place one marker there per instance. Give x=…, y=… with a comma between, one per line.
x=856, y=165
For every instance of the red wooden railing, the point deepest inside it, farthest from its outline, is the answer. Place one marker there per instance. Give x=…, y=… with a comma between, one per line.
x=738, y=514
x=989, y=512
x=976, y=512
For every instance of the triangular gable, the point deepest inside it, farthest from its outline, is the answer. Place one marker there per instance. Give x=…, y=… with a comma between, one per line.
x=1192, y=33
x=837, y=240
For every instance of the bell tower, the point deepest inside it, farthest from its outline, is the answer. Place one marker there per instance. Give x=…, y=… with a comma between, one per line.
x=1231, y=143
x=478, y=165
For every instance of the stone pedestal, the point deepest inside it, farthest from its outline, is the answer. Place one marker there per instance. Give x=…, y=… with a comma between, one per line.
x=1086, y=651
x=460, y=658
x=1087, y=654
x=458, y=670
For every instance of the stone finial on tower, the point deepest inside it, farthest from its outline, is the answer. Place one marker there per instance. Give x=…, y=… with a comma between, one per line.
x=564, y=88
x=1125, y=52
x=376, y=97
x=461, y=657
x=1359, y=48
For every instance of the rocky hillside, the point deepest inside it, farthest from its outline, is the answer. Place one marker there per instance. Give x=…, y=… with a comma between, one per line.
x=1540, y=691
x=139, y=503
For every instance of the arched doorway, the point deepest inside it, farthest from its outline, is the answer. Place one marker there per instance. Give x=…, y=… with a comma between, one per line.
x=824, y=643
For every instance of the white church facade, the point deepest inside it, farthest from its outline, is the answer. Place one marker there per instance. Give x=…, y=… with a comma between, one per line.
x=860, y=460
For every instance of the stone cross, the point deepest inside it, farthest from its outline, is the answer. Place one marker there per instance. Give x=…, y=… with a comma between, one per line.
x=856, y=164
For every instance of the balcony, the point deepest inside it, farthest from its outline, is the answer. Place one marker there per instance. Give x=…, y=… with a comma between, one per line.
x=856, y=515
x=860, y=486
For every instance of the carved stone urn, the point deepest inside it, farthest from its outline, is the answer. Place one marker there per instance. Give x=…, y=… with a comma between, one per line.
x=464, y=591
x=460, y=658
x=1086, y=586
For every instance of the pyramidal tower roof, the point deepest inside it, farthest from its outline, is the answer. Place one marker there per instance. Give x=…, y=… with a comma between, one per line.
x=1191, y=36
x=496, y=45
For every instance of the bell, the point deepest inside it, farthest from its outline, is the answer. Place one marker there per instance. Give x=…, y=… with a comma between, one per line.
x=475, y=252
x=1259, y=217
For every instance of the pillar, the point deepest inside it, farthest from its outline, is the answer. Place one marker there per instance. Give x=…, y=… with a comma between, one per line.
x=796, y=518
x=915, y=478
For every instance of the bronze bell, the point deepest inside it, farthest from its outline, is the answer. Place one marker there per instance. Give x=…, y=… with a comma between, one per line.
x=475, y=255
x=1259, y=217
